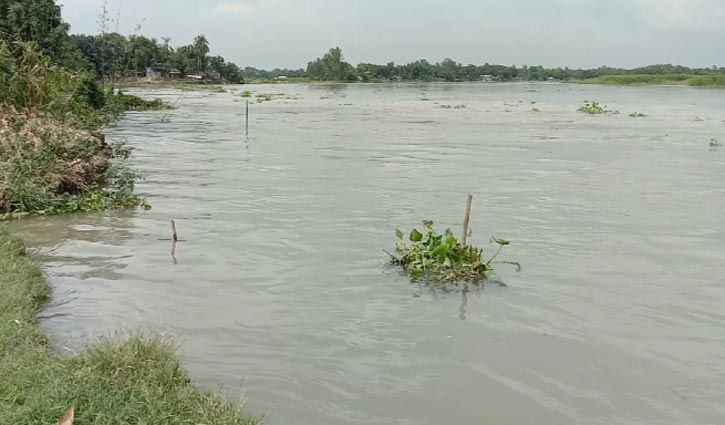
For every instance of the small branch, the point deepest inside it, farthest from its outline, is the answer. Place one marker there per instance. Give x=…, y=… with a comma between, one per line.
x=173, y=230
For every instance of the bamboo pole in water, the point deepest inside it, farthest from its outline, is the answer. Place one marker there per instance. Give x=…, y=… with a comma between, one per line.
x=173, y=230
x=467, y=220
x=246, y=122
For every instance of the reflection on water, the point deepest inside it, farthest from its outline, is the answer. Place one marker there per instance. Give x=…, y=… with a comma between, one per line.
x=280, y=281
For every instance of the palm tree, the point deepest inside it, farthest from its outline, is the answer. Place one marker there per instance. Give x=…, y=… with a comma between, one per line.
x=167, y=40
x=201, y=49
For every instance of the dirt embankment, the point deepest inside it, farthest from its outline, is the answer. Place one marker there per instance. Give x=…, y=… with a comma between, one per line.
x=42, y=160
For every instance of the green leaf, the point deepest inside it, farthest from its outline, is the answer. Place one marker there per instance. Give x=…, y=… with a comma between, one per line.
x=399, y=233
x=428, y=224
x=416, y=236
x=502, y=242
x=451, y=241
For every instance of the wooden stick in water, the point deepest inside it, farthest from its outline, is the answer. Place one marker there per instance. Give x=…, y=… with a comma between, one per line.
x=173, y=252
x=246, y=123
x=467, y=220
x=173, y=229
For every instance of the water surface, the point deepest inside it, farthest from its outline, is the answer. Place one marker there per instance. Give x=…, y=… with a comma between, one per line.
x=281, y=292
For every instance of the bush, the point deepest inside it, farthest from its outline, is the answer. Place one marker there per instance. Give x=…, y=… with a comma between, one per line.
x=441, y=257
x=89, y=92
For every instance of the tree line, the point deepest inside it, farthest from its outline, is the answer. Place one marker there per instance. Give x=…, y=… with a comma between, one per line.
x=332, y=67
x=108, y=54
x=113, y=55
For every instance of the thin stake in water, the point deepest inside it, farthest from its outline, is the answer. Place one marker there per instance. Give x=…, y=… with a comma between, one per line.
x=173, y=230
x=467, y=220
x=246, y=123
x=175, y=239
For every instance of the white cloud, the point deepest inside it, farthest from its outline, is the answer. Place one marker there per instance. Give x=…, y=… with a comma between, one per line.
x=235, y=9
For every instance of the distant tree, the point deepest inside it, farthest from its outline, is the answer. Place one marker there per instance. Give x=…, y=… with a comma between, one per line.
x=331, y=67
x=201, y=49
x=226, y=70
x=448, y=70
x=143, y=52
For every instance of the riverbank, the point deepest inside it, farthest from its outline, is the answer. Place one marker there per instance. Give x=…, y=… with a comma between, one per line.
x=138, y=381
x=661, y=80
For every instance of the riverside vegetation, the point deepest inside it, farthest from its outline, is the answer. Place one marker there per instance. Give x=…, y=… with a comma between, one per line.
x=714, y=80
x=53, y=159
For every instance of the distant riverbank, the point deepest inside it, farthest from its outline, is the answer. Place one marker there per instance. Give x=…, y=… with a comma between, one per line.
x=660, y=80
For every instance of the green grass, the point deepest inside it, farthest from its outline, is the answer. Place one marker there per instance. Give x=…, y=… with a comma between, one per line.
x=665, y=79
x=136, y=382
x=194, y=86
x=707, y=81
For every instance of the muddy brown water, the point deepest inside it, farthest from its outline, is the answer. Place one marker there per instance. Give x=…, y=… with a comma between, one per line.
x=281, y=294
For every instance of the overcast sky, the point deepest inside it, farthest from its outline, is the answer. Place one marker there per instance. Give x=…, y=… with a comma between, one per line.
x=289, y=33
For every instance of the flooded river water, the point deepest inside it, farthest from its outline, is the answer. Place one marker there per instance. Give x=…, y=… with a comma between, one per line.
x=281, y=292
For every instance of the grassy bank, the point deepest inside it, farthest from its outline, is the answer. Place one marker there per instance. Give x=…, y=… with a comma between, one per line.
x=135, y=382
x=664, y=79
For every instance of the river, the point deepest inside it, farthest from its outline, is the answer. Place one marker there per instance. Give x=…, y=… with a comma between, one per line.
x=281, y=294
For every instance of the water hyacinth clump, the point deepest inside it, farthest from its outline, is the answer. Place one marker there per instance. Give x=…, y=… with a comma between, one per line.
x=592, y=108
x=441, y=257
x=596, y=108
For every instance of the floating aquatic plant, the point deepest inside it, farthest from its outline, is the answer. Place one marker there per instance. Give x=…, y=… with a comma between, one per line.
x=592, y=108
x=442, y=257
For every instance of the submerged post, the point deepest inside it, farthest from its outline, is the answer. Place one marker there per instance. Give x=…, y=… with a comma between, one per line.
x=467, y=220
x=246, y=123
x=173, y=230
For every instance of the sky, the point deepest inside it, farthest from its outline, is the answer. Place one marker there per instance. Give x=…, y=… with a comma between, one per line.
x=289, y=33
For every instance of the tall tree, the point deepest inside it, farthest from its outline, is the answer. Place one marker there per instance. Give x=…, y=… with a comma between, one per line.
x=39, y=21
x=201, y=49
x=331, y=67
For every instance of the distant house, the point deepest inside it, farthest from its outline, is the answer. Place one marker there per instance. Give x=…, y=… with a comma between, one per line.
x=174, y=74
x=282, y=77
x=153, y=75
x=488, y=78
